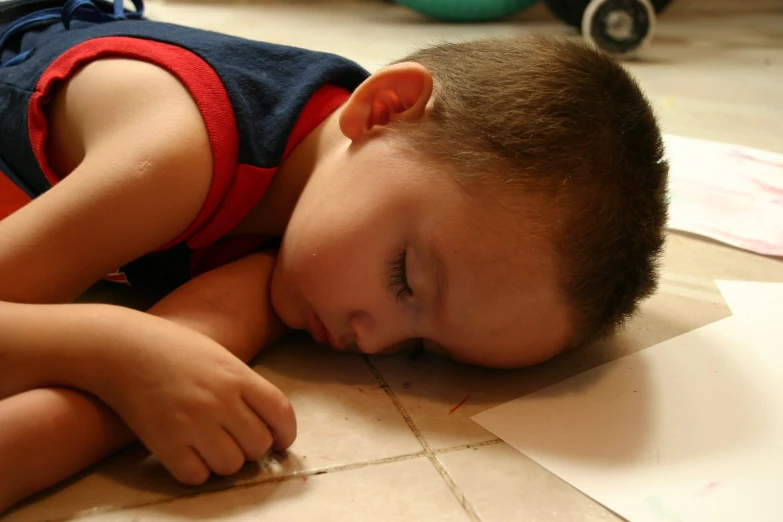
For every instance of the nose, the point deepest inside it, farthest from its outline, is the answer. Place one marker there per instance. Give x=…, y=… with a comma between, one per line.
x=376, y=332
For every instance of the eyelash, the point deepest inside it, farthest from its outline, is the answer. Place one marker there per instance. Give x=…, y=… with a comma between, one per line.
x=399, y=277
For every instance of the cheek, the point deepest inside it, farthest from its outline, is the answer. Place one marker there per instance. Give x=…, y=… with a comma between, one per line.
x=315, y=258
x=333, y=232
x=340, y=240
x=303, y=278
x=339, y=272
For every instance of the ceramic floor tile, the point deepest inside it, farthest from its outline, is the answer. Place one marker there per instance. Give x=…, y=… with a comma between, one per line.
x=405, y=491
x=708, y=260
x=344, y=417
x=344, y=413
x=502, y=485
x=714, y=71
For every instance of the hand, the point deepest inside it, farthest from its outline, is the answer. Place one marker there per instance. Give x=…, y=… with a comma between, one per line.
x=192, y=403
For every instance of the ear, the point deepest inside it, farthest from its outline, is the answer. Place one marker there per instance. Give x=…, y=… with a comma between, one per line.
x=399, y=92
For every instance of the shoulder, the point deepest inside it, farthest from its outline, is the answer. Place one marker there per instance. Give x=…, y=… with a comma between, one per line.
x=132, y=104
x=137, y=165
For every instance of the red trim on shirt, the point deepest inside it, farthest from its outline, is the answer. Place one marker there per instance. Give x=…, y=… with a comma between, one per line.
x=12, y=198
x=196, y=75
x=248, y=187
x=250, y=183
x=320, y=105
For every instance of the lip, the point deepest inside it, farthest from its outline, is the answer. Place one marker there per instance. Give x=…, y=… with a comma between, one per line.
x=321, y=333
x=334, y=341
x=318, y=330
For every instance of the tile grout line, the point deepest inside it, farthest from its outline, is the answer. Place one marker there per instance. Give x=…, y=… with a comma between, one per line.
x=455, y=489
x=398, y=405
x=247, y=485
x=431, y=455
x=452, y=449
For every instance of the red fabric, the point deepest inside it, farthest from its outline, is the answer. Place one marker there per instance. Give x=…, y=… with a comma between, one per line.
x=12, y=198
x=195, y=74
x=250, y=183
x=248, y=187
x=320, y=105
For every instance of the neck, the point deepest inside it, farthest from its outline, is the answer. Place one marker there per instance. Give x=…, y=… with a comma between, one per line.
x=270, y=216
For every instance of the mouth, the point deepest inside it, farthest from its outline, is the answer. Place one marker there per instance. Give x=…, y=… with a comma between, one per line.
x=321, y=334
x=318, y=329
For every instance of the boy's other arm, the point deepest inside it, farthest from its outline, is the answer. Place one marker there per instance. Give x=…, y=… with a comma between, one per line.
x=230, y=304
x=144, y=170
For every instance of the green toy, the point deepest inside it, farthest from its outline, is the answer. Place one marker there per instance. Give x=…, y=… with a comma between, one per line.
x=467, y=10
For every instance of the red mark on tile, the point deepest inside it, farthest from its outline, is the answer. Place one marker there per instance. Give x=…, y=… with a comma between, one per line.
x=463, y=401
x=304, y=479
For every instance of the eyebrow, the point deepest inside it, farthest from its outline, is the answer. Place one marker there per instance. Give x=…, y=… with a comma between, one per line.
x=438, y=272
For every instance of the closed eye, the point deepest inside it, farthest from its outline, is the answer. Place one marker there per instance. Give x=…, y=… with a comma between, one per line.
x=399, y=277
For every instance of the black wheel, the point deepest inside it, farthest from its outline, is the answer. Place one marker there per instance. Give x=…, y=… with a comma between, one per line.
x=571, y=11
x=619, y=27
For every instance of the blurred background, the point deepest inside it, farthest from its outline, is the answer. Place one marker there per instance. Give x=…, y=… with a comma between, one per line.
x=712, y=68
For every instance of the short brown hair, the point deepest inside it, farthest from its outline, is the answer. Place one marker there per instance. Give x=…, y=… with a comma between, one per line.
x=570, y=126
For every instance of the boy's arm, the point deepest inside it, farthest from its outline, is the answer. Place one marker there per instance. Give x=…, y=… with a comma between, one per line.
x=193, y=404
x=230, y=305
x=65, y=345
x=144, y=176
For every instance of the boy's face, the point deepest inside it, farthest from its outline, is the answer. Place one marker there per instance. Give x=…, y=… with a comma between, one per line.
x=381, y=250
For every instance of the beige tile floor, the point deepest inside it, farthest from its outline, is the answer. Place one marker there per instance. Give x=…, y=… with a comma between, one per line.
x=379, y=440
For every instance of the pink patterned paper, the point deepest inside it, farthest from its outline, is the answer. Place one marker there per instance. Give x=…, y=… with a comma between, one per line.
x=726, y=192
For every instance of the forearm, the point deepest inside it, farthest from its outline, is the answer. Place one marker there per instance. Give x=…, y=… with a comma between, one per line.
x=60, y=345
x=81, y=345
x=58, y=431
x=231, y=305
x=55, y=433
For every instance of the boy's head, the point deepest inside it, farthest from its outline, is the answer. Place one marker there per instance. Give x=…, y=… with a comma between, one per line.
x=503, y=200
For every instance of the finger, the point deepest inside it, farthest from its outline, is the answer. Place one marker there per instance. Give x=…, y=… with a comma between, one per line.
x=185, y=464
x=273, y=407
x=221, y=452
x=249, y=432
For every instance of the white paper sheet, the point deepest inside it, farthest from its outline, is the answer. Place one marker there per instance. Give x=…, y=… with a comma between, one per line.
x=726, y=192
x=689, y=430
x=744, y=297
